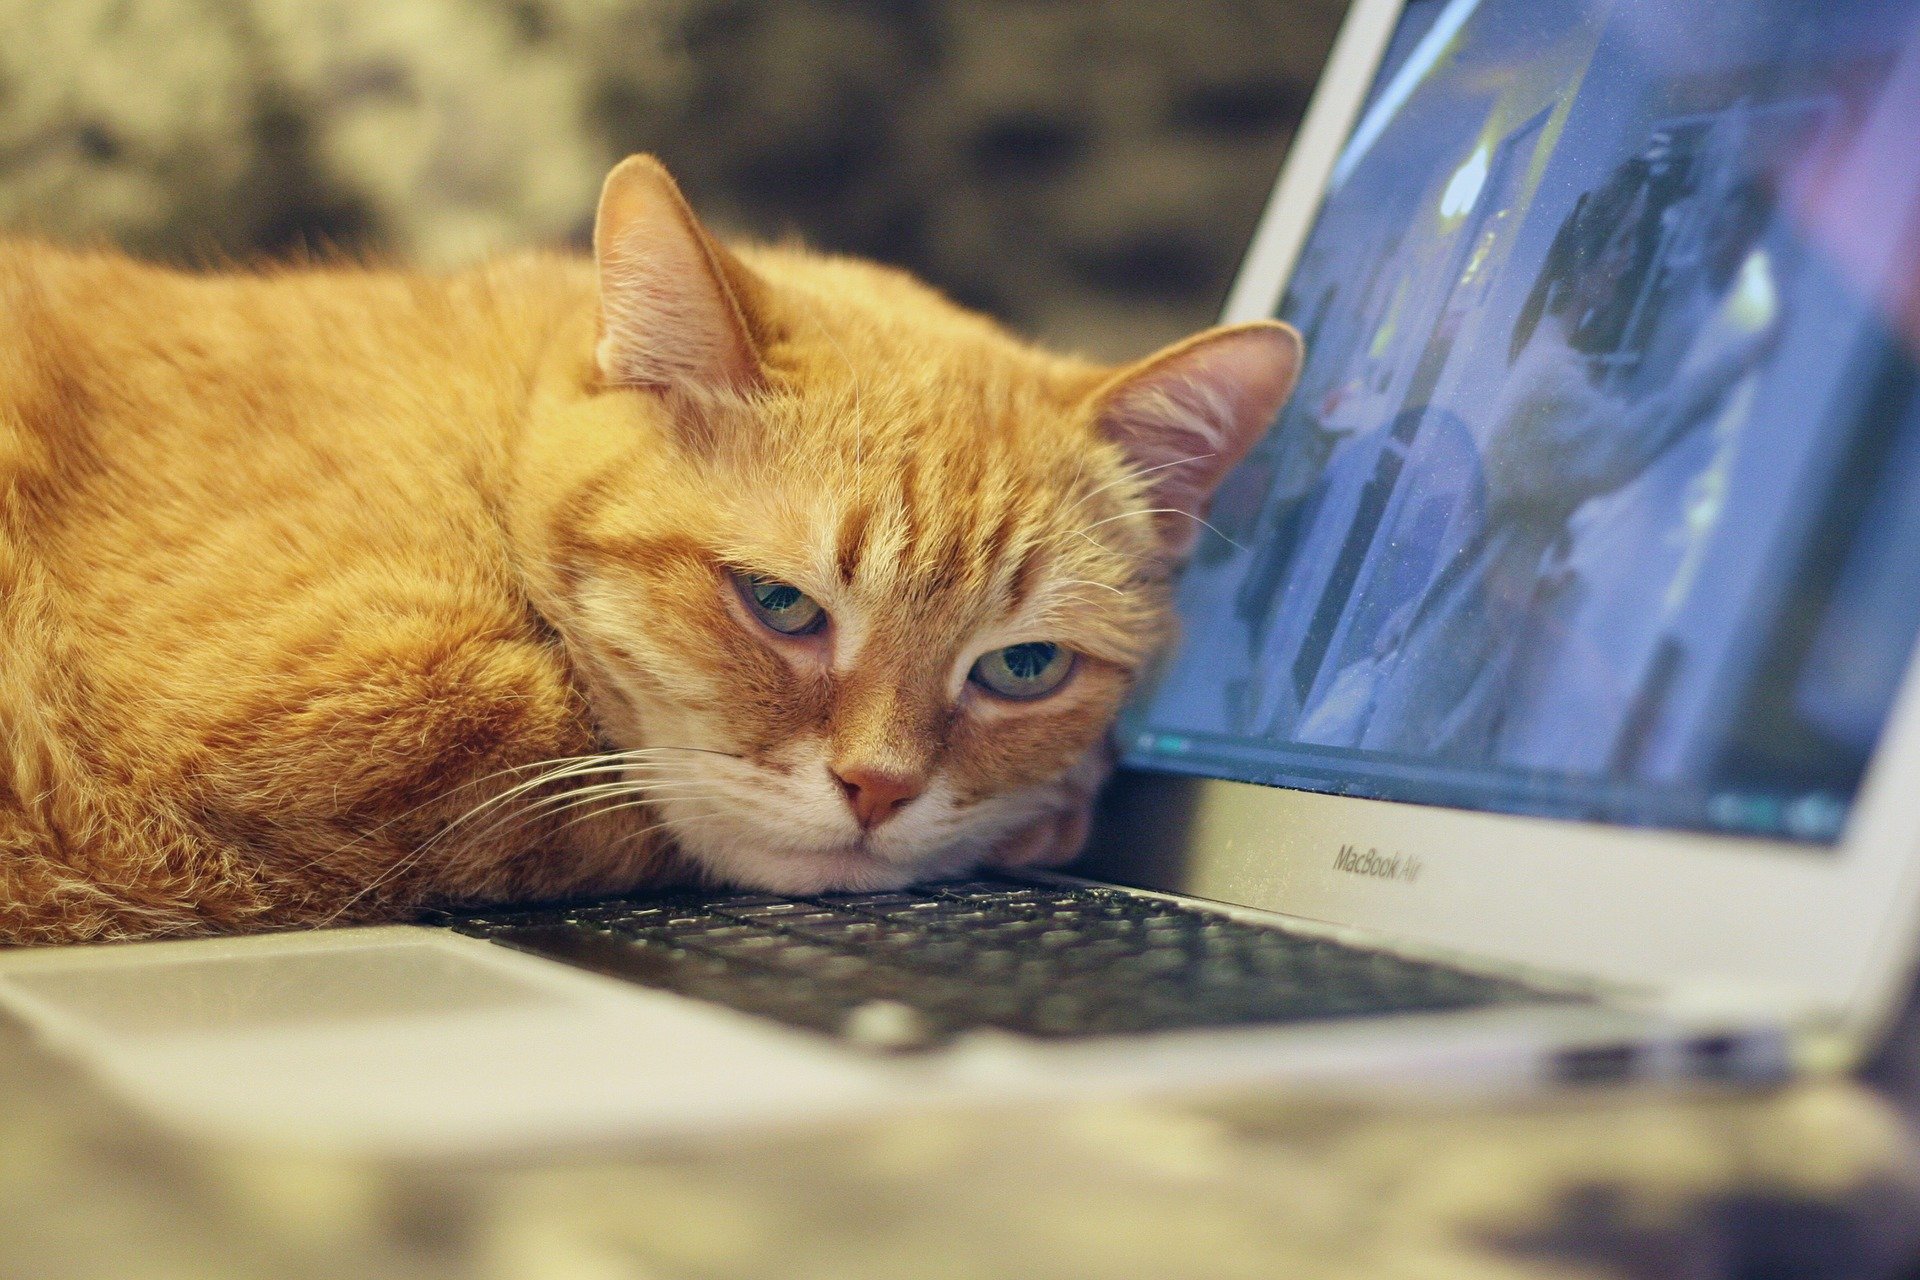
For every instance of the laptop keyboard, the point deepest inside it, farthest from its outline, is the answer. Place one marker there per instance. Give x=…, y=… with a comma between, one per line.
x=915, y=969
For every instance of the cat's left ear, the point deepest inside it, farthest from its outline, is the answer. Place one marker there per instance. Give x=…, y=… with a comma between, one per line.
x=675, y=306
x=1185, y=416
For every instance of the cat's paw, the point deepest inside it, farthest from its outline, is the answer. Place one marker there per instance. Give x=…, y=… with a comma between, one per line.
x=1057, y=836
x=1052, y=841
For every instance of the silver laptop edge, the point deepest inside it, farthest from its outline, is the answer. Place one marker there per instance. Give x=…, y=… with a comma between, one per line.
x=1838, y=936
x=1699, y=944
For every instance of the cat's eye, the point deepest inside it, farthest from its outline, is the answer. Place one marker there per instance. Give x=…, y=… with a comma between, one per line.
x=1030, y=670
x=781, y=606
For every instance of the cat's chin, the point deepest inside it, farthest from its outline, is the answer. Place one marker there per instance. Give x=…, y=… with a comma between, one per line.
x=798, y=874
x=801, y=872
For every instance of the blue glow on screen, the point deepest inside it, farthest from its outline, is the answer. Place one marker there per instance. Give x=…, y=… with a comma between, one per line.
x=1600, y=496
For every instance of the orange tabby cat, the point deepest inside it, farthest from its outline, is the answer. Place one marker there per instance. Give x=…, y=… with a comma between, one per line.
x=326, y=594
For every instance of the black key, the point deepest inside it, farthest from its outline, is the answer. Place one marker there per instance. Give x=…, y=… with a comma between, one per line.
x=806, y=919
x=839, y=931
x=746, y=943
x=989, y=890
x=867, y=901
x=761, y=909
x=922, y=908
x=909, y=970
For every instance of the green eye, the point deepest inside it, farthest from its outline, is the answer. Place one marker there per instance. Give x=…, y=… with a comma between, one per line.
x=784, y=608
x=1023, y=670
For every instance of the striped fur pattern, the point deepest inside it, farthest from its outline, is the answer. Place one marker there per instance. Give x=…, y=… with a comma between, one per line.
x=330, y=593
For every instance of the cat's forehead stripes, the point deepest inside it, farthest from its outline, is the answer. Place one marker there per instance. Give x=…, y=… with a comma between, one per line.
x=975, y=540
x=852, y=539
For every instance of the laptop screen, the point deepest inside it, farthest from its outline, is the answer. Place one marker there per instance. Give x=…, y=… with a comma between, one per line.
x=1600, y=495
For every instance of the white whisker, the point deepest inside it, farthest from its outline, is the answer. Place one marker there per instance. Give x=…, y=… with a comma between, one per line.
x=1087, y=582
x=552, y=807
x=1168, y=511
x=1135, y=475
x=680, y=823
x=551, y=776
x=438, y=799
x=640, y=802
x=579, y=766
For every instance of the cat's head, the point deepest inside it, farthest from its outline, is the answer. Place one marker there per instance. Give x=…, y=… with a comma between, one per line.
x=864, y=577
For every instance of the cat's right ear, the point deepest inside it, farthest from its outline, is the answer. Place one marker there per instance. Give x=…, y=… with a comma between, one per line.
x=673, y=304
x=1184, y=417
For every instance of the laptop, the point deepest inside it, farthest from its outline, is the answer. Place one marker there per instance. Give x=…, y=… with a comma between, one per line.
x=1544, y=714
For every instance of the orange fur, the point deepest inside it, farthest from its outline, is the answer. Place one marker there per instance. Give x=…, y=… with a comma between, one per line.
x=313, y=580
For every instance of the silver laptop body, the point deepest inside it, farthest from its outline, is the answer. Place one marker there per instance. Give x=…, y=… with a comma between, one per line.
x=1558, y=637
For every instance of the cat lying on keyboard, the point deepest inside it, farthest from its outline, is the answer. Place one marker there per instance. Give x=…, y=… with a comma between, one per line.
x=327, y=594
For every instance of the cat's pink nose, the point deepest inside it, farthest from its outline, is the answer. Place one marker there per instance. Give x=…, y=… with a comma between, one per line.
x=876, y=795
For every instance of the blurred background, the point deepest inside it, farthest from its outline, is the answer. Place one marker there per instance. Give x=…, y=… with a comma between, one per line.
x=1088, y=170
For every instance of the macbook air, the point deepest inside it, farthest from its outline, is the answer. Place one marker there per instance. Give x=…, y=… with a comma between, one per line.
x=1544, y=713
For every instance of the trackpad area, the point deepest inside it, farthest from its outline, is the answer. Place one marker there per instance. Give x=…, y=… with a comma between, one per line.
x=237, y=991
x=411, y=1041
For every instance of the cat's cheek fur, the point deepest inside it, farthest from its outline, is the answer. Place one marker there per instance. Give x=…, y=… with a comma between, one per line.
x=1058, y=836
